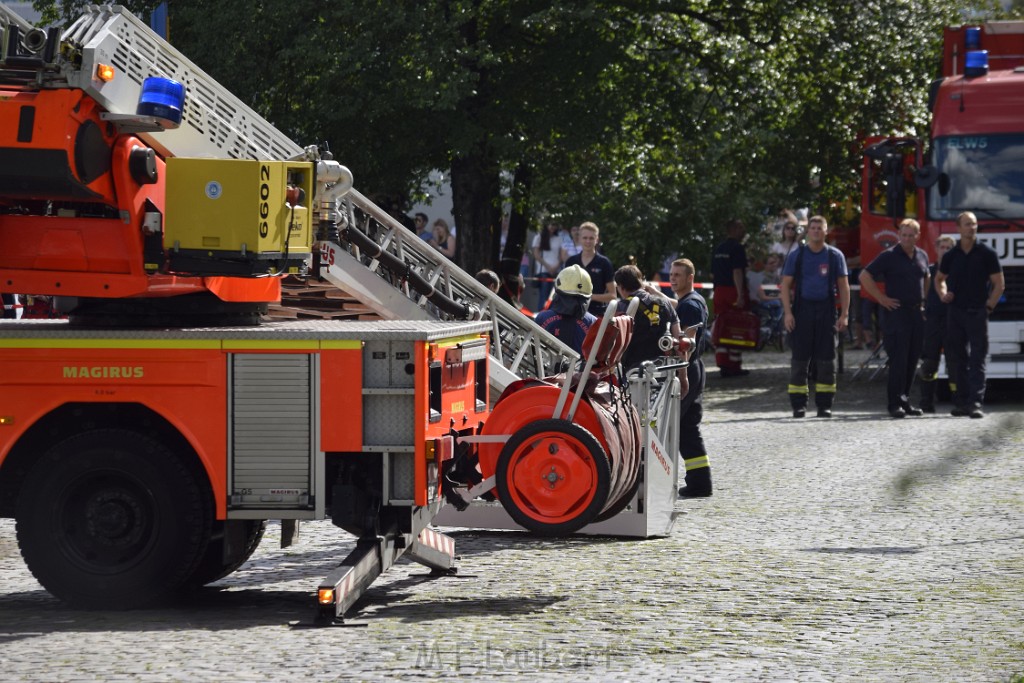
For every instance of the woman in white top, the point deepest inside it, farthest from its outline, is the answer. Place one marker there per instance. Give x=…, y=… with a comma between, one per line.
x=788, y=241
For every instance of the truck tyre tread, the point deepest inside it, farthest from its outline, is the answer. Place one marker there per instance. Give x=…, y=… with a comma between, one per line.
x=112, y=519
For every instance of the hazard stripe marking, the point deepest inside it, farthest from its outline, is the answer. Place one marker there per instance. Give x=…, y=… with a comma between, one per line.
x=438, y=542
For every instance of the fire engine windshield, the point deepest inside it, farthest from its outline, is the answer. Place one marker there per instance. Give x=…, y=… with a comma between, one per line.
x=985, y=174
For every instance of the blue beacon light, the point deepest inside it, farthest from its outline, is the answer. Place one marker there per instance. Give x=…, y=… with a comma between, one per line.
x=163, y=99
x=976, y=63
x=972, y=38
x=975, y=59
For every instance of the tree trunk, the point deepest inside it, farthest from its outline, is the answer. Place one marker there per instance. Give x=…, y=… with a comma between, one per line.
x=515, y=242
x=476, y=196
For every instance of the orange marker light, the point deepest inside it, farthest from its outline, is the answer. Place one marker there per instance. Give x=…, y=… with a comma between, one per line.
x=105, y=72
x=325, y=596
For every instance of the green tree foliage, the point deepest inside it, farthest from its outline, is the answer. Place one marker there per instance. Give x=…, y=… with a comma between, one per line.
x=59, y=12
x=657, y=119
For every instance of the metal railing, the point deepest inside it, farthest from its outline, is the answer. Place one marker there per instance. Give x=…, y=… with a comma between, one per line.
x=387, y=265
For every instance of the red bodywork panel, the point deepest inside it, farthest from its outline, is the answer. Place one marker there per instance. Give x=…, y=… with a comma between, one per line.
x=184, y=380
x=185, y=386
x=55, y=147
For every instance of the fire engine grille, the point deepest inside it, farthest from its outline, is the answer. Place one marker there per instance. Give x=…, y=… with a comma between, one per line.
x=271, y=430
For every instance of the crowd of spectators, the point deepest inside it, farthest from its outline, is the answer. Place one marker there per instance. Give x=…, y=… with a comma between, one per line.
x=755, y=281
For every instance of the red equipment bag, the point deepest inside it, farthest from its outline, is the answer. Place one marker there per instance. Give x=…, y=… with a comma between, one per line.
x=736, y=327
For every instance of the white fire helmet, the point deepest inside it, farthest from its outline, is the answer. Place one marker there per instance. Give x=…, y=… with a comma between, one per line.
x=574, y=280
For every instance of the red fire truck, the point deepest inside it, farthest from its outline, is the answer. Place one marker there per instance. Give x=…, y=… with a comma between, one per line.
x=146, y=439
x=974, y=161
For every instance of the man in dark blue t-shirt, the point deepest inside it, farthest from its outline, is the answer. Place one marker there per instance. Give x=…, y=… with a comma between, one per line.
x=598, y=267
x=691, y=309
x=970, y=280
x=816, y=272
x=904, y=269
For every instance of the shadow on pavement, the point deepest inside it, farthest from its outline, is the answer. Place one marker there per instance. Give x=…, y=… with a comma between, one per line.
x=448, y=607
x=237, y=602
x=904, y=550
x=37, y=613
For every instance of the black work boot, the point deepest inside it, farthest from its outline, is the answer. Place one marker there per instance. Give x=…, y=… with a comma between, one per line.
x=911, y=410
x=824, y=402
x=698, y=484
x=799, y=404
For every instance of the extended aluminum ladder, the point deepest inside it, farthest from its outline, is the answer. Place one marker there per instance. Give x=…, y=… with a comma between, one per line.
x=215, y=123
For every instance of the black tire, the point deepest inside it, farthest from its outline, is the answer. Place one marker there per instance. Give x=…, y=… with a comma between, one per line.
x=214, y=565
x=112, y=519
x=518, y=496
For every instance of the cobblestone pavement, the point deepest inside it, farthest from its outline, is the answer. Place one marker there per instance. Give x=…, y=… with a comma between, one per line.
x=860, y=548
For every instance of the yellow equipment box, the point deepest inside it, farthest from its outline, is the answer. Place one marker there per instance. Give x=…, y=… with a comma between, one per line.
x=238, y=216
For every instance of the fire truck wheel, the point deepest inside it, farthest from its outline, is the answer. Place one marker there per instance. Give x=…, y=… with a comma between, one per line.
x=112, y=519
x=553, y=477
x=214, y=564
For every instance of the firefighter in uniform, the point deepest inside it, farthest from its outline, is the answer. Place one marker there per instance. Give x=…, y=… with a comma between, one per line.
x=934, y=334
x=567, y=318
x=818, y=272
x=653, y=319
x=692, y=310
x=904, y=268
x=969, y=279
x=729, y=277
